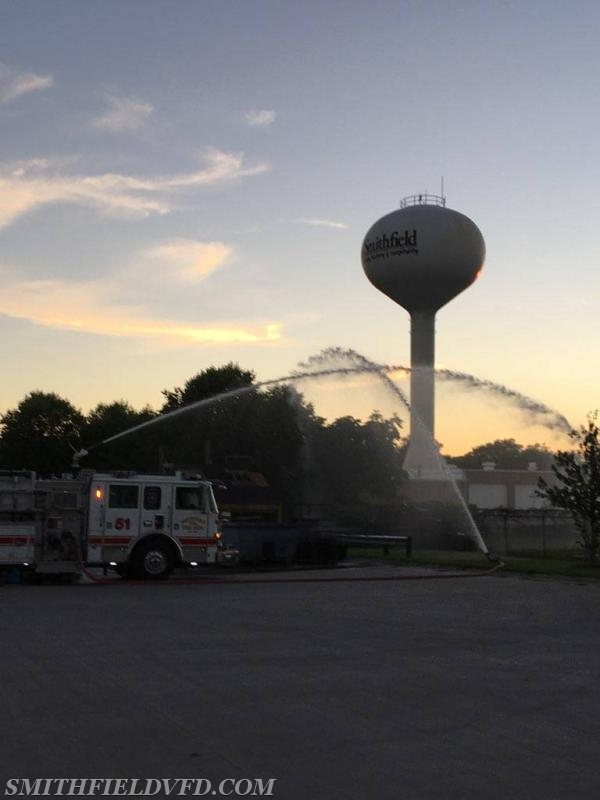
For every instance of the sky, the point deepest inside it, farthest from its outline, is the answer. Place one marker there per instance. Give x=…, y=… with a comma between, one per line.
x=188, y=183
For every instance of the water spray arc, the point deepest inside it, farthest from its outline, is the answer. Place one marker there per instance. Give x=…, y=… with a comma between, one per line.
x=287, y=379
x=316, y=367
x=419, y=427
x=339, y=362
x=536, y=411
x=324, y=365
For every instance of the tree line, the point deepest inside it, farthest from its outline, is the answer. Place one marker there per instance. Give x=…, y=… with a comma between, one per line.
x=274, y=431
x=44, y=430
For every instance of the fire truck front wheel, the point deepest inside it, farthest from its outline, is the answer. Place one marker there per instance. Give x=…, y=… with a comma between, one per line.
x=152, y=561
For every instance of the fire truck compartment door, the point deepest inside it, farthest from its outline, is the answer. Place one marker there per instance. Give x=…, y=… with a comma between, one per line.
x=16, y=543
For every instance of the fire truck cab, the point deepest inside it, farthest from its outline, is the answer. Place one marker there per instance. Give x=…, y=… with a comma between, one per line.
x=146, y=524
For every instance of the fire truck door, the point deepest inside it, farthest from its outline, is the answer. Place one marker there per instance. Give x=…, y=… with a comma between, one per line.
x=122, y=513
x=155, y=508
x=190, y=519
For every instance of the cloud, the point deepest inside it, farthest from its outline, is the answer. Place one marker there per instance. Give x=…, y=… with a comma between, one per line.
x=124, y=115
x=321, y=223
x=221, y=167
x=14, y=84
x=90, y=307
x=190, y=261
x=260, y=118
x=25, y=186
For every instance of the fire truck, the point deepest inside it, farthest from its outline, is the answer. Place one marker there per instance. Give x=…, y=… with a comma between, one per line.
x=141, y=526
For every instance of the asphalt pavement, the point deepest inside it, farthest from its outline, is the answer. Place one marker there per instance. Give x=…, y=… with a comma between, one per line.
x=478, y=687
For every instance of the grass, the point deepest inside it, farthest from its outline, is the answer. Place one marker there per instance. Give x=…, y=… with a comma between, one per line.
x=566, y=564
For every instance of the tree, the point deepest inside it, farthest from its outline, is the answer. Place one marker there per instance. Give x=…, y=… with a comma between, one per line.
x=210, y=382
x=506, y=454
x=203, y=434
x=260, y=426
x=360, y=460
x=138, y=451
x=578, y=489
x=278, y=443
x=41, y=434
x=210, y=431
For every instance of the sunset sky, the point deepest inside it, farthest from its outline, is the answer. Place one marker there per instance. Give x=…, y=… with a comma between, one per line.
x=184, y=184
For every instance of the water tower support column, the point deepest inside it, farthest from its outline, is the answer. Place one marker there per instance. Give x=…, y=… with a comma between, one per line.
x=421, y=457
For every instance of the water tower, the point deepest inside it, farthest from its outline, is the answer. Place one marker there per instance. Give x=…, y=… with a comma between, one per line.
x=423, y=255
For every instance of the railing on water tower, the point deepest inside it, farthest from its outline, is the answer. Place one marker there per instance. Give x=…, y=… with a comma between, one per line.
x=423, y=200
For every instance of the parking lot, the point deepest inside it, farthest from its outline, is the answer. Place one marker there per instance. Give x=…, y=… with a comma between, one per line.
x=485, y=687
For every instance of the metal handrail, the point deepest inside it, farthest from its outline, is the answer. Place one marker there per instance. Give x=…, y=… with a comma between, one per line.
x=423, y=199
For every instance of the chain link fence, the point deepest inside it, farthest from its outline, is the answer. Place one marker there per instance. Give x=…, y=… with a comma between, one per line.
x=537, y=531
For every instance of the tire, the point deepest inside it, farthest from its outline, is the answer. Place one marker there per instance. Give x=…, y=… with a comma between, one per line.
x=152, y=562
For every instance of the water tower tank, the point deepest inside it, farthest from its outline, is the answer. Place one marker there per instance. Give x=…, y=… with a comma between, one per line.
x=422, y=255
